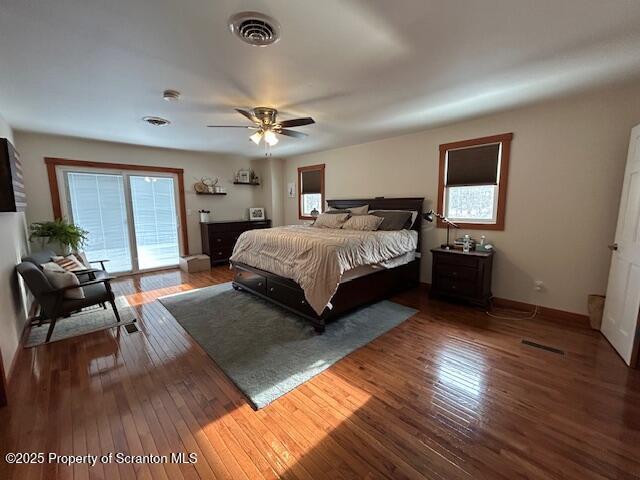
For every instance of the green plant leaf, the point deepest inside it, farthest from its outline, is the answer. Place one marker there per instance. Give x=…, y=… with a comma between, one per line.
x=61, y=231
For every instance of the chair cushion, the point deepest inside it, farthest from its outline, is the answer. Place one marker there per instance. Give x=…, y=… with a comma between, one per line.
x=38, y=258
x=83, y=259
x=93, y=294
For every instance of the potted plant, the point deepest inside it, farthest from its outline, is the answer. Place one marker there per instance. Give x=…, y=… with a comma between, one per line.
x=63, y=236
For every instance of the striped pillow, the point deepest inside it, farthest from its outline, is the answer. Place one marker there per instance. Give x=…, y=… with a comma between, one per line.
x=70, y=263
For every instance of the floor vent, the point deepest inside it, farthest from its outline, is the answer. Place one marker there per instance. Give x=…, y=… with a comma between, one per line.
x=131, y=328
x=543, y=347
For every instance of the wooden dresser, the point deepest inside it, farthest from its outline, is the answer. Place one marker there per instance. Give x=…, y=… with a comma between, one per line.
x=219, y=238
x=463, y=276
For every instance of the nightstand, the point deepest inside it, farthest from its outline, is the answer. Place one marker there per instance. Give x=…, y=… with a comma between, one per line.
x=462, y=276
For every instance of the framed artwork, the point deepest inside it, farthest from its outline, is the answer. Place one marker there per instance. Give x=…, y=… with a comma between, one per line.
x=256, y=213
x=291, y=189
x=244, y=176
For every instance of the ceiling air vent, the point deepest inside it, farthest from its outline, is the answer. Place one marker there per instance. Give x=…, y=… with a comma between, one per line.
x=255, y=28
x=156, y=121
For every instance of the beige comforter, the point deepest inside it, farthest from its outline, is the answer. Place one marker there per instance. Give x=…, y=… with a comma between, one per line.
x=316, y=258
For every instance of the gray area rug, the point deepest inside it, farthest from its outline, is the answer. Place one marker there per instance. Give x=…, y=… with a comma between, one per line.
x=89, y=320
x=264, y=349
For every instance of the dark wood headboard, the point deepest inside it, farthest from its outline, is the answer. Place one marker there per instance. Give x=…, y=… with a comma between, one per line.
x=382, y=203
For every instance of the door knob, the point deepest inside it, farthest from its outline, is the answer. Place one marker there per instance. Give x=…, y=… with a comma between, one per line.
x=613, y=247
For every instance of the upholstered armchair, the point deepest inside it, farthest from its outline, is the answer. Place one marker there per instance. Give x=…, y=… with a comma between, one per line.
x=96, y=285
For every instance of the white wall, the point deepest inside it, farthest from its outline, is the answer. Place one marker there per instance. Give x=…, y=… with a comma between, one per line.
x=13, y=245
x=565, y=177
x=34, y=147
x=5, y=129
x=272, y=194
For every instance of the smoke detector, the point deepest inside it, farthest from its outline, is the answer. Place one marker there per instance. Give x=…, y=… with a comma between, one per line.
x=171, y=95
x=255, y=28
x=156, y=121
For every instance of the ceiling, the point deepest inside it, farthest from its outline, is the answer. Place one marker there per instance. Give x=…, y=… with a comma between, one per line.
x=362, y=69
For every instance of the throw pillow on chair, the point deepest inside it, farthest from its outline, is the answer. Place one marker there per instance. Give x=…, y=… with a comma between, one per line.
x=60, y=278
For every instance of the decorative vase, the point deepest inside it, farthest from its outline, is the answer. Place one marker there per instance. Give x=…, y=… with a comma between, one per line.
x=55, y=245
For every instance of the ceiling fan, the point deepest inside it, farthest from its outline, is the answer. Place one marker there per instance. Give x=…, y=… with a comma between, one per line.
x=267, y=125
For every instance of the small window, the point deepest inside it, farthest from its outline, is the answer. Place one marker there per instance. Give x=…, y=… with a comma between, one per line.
x=310, y=191
x=473, y=181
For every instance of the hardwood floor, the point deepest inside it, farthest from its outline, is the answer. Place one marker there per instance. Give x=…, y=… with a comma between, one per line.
x=449, y=394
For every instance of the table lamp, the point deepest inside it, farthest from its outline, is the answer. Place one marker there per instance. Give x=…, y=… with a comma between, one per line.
x=429, y=216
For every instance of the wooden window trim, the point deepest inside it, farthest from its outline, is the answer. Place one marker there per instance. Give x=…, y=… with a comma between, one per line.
x=52, y=163
x=310, y=168
x=505, y=140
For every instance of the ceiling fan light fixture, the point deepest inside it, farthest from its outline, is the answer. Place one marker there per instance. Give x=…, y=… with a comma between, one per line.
x=256, y=137
x=271, y=138
x=156, y=121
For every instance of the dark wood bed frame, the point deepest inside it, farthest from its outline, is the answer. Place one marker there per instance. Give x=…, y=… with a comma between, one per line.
x=350, y=295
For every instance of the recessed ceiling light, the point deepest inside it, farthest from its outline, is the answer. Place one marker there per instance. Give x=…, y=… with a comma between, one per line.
x=171, y=95
x=156, y=121
x=255, y=28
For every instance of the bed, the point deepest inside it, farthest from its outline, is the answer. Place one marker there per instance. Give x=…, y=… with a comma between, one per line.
x=317, y=282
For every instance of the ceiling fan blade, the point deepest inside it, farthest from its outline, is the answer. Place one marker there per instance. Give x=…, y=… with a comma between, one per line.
x=249, y=115
x=291, y=133
x=297, y=122
x=233, y=126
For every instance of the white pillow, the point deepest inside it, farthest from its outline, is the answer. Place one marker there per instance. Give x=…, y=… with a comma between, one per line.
x=60, y=278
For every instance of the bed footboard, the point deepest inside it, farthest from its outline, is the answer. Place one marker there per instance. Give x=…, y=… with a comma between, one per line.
x=349, y=296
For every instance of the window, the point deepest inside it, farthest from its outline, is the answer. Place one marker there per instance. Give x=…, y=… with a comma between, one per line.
x=473, y=182
x=310, y=191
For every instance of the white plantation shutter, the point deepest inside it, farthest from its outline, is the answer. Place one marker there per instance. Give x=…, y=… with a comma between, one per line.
x=97, y=204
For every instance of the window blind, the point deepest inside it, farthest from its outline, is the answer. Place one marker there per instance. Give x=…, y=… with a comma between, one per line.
x=311, y=181
x=98, y=205
x=473, y=166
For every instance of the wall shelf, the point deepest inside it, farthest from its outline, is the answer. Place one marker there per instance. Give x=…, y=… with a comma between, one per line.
x=246, y=183
x=211, y=193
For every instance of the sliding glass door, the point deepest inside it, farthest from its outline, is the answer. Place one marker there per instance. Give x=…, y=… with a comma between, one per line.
x=155, y=222
x=98, y=205
x=131, y=218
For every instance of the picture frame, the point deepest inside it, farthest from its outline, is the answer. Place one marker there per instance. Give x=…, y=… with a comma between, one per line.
x=291, y=190
x=256, y=213
x=244, y=176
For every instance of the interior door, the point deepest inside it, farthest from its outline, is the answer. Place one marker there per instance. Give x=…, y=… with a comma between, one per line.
x=622, y=306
